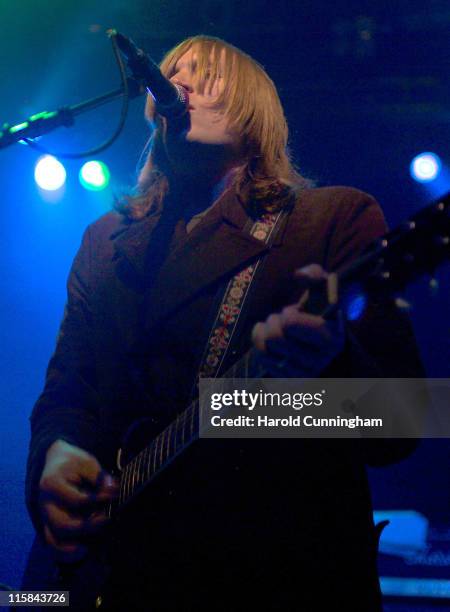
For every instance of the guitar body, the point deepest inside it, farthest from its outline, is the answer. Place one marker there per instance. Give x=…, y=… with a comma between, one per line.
x=84, y=580
x=87, y=581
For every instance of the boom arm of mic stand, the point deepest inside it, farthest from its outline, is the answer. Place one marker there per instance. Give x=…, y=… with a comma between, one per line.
x=45, y=122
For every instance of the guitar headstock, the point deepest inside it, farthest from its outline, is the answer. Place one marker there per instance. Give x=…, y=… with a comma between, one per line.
x=416, y=247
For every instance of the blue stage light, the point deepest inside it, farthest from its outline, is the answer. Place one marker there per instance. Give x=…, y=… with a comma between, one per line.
x=425, y=167
x=94, y=175
x=49, y=173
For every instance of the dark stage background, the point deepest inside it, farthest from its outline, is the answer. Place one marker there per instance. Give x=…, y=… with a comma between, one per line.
x=365, y=87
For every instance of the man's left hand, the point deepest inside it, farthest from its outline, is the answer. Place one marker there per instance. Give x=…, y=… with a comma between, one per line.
x=293, y=343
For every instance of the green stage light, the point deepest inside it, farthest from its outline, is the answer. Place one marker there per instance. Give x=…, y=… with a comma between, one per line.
x=94, y=175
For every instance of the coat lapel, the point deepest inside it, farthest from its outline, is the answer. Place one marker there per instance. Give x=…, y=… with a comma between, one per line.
x=219, y=245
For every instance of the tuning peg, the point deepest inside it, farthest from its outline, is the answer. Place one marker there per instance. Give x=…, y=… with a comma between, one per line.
x=403, y=304
x=442, y=240
x=434, y=286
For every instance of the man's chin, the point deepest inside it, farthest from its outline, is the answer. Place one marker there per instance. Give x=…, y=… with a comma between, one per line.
x=193, y=154
x=201, y=139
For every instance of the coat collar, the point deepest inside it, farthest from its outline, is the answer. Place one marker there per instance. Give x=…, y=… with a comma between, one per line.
x=132, y=240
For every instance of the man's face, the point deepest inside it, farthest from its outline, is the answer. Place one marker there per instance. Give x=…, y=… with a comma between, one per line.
x=206, y=125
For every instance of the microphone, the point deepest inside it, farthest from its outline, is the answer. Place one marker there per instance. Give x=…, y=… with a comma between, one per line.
x=171, y=100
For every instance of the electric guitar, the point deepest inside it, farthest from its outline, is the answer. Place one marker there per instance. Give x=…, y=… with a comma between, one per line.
x=414, y=248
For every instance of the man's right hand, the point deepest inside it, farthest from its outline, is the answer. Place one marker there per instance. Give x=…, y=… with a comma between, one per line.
x=74, y=490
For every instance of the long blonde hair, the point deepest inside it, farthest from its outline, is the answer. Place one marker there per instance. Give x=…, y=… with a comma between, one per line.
x=267, y=180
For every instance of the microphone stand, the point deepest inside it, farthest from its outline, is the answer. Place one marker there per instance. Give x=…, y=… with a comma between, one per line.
x=45, y=122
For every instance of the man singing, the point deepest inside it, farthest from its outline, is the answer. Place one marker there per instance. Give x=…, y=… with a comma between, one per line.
x=267, y=524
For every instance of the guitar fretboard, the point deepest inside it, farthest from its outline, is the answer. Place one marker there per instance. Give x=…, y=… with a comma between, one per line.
x=175, y=438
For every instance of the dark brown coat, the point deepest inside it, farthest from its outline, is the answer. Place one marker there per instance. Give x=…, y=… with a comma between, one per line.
x=285, y=521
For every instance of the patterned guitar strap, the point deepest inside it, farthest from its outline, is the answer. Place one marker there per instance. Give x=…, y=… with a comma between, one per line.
x=237, y=291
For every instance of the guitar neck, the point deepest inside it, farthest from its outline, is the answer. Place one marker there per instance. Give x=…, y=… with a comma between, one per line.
x=173, y=440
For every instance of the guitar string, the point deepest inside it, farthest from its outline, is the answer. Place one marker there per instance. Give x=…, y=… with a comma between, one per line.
x=189, y=415
x=127, y=478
